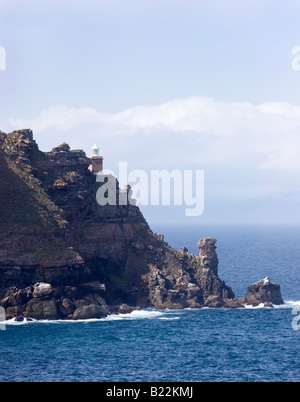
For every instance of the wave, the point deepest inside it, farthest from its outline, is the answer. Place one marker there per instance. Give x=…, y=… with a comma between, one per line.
x=145, y=314
x=13, y=322
x=287, y=304
x=134, y=315
x=250, y=306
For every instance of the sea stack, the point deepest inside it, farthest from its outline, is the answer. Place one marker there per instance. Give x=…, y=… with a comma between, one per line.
x=264, y=291
x=207, y=254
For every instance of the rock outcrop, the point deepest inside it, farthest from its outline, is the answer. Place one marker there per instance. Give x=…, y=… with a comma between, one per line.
x=190, y=281
x=64, y=256
x=264, y=291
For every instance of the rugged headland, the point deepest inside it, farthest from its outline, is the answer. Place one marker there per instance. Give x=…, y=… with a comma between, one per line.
x=64, y=256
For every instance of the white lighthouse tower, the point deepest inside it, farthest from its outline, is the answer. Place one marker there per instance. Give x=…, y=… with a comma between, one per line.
x=96, y=165
x=95, y=150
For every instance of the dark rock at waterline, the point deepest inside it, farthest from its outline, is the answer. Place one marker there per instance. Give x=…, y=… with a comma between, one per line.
x=41, y=309
x=264, y=291
x=89, y=311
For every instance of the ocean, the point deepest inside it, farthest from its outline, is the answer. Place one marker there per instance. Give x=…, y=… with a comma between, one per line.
x=197, y=345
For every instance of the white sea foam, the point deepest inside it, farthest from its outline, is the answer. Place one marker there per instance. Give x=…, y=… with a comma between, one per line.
x=261, y=305
x=144, y=314
x=12, y=321
x=135, y=315
x=287, y=304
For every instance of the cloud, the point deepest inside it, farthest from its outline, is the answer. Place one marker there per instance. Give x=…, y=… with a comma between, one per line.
x=267, y=134
x=61, y=118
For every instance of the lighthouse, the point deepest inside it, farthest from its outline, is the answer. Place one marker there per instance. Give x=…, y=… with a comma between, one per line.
x=96, y=165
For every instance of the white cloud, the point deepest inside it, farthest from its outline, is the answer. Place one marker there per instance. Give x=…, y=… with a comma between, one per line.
x=214, y=131
x=59, y=118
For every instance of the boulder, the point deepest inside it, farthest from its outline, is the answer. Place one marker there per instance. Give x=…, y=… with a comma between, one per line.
x=125, y=309
x=263, y=291
x=90, y=311
x=14, y=311
x=233, y=303
x=66, y=306
x=42, y=290
x=41, y=309
x=23, y=295
x=213, y=301
x=15, y=297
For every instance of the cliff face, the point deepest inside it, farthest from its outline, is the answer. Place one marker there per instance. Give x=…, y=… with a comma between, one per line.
x=91, y=259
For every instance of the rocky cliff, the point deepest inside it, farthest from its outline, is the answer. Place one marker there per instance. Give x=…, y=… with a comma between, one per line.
x=64, y=256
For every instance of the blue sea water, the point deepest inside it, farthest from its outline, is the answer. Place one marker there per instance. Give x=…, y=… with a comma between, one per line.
x=251, y=344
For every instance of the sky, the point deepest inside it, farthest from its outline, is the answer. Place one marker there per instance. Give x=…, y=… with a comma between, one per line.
x=169, y=84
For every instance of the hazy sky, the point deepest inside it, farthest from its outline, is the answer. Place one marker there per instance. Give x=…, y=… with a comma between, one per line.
x=168, y=84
